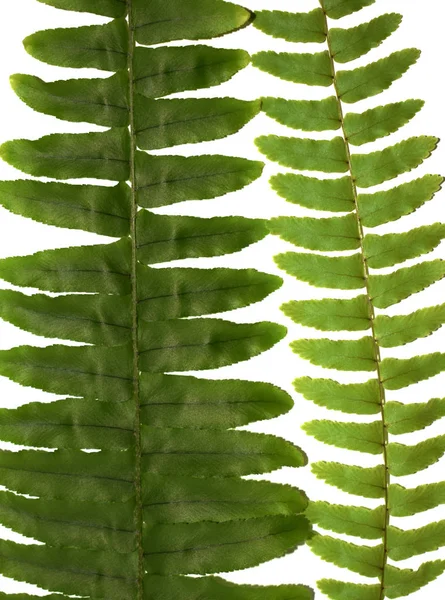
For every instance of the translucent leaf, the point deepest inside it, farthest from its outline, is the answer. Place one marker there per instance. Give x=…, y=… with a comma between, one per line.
x=104, y=269
x=344, y=355
x=166, y=123
x=333, y=234
x=402, y=582
x=344, y=272
x=384, y=165
x=405, y=502
x=334, y=195
x=164, y=180
x=102, y=47
x=159, y=22
x=349, y=44
x=340, y=590
x=104, y=155
x=351, y=398
x=365, y=482
x=328, y=156
x=293, y=27
x=407, y=460
x=100, y=101
x=350, y=520
x=384, y=207
x=362, y=437
x=336, y=9
x=306, y=115
x=404, y=544
x=162, y=238
x=406, y=418
x=330, y=314
x=365, y=560
x=102, y=210
x=310, y=69
x=379, y=122
x=403, y=329
x=190, y=345
x=184, y=68
x=387, y=290
x=400, y=373
x=393, y=248
x=373, y=79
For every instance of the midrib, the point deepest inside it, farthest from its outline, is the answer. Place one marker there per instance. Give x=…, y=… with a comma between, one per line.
x=135, y=324
x=376, y=345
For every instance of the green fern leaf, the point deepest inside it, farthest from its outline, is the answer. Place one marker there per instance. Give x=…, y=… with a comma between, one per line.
x=344, y=355
x=405, y=544
x=350, y=520
x=363, y=437
x=310, y=69
x=364, y=560
x=398, y=373
x=365, y=482
x=304, y=154
x=406, y=418
x=330, y=314
x=307, y=115
x=293, y=27
x=339, y=590
x=403, y=329
x=349, y=44
x=336, y=9
x=351, y=398
x=406, y=502
x=334, y=195
x=342, y=273
x=379, y=122
x=163, y=494
x=402, y=582
x=406, y=460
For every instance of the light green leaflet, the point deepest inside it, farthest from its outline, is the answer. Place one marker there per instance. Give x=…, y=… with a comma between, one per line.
x=165, y=495
x=338, y=252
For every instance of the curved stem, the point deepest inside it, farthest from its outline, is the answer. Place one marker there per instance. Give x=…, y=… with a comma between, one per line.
x=135, y=323
x=372, y=315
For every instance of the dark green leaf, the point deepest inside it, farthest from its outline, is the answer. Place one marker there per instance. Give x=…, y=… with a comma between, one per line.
x=378, y=167
x=164, y=180
x=305, y=154
x=379, y=122
x=384, y=207
x=342, y=273
x=293, y=27
x=172, y=401
x=159, y=22
x=334, y=195
x=373, y=79
x=325, y=235
x=310, y=69
x=192, y=345
x=307, y=115
x=71, y=156
x=331, y=314
x=174, y=293
x=99, y=209
x=92, y=319
x=100, y=101
x=163, y=238
x=166, y=123
x=168, y=70
x=349, y=44
x=103, y=373
x=104, y=269
x=107, y=8
x=96, y=46
x=351, y=398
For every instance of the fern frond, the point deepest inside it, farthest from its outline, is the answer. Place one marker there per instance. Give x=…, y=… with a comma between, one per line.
x=356, y=266
x=163, y=495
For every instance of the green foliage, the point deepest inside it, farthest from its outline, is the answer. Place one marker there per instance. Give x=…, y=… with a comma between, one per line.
x=163, y=495
x=345, y=256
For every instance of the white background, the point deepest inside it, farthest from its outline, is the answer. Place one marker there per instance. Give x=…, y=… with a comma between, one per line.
x=422, y=27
